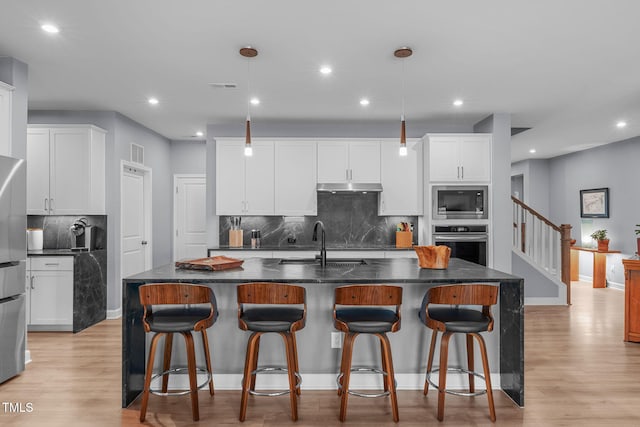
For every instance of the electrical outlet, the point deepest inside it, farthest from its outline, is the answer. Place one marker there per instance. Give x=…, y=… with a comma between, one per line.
x=336, y=340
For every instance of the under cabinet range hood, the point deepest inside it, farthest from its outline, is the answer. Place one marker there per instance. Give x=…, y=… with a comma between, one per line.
x=349, y=187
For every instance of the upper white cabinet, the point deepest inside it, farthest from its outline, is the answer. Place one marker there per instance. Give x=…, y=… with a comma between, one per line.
x=244, y=184
x=401, y=180
x=65, y=170
x=6, y=92
x=460, y=158
x=348, y=161
x=295, y=178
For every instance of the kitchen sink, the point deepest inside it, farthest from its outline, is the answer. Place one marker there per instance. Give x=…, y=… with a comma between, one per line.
x=331, y=262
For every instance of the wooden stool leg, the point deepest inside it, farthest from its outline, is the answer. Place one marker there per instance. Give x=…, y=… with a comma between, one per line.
x=256, y=351
x=148, y=375
x=487, y=375
x=168, y=345
x=246, y=380
x=207, y=358
x=293, y=396
x=442, y=383
x=470, y=364
x=383, y=363
x=295, y=354
x=349, y=339
x=342, y=363
x=390, y=377
x=432, y=350
x=193, y=382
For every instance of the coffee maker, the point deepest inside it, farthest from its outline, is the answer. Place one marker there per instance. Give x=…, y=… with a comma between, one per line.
x=82, y=235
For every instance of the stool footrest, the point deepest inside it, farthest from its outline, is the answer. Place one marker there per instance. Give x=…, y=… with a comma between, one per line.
x=358, y=370
x=272, y=369
x=457, y=393
x=158, y=392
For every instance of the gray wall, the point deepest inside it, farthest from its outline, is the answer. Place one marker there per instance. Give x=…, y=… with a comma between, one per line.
x=188, y=157
x=121, y=132
x=500, y=125
x=536, y=183
x=16, y=74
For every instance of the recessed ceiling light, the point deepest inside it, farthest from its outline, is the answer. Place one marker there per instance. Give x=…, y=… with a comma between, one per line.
x=325, y=69
x=199, y=133
x=621, y=124
x=50, y=28
x=533, y=150
x=364, y=102
x=153, y=101
x=458, y=102
x=254, y=101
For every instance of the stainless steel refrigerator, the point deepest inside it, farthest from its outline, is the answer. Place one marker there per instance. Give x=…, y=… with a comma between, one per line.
x=13, y=254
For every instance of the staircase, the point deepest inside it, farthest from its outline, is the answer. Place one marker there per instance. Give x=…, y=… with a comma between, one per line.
x=542, y=244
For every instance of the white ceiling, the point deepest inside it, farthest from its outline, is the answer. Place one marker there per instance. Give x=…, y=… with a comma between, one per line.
x=568, y=69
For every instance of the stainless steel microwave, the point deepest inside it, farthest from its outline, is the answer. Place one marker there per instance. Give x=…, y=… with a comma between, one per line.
x=460, y=202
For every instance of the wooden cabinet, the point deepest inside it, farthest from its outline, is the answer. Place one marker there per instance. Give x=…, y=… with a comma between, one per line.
x=295, y=178
x=348, y=161
x=6, y=93
x=631, y=299
x=401, y=178
x=244, y=184
x=460, y=158
x=65, y=170
x=50, y=293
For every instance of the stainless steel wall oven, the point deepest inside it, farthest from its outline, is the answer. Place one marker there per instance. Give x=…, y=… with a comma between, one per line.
x=468, y=242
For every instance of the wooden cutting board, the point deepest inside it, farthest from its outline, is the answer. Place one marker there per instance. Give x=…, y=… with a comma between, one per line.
x=214, y=263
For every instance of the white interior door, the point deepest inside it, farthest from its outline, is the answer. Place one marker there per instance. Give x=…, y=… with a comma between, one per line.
x=133, y=223
x=190, y=233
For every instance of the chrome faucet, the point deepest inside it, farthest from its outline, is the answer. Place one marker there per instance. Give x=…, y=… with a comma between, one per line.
x=323, y=249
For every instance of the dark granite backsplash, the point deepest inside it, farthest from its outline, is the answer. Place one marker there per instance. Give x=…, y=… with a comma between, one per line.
x=56, y=234
x=350, y=220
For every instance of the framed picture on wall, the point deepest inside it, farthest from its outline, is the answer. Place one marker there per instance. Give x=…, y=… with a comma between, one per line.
x=594, y=203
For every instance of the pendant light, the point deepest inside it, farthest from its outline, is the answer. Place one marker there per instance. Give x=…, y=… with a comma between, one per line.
x=248, y=52
x=403, y=52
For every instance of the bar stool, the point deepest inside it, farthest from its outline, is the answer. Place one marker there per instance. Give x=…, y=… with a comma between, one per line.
x=369, y=318
x=278, y=317
x=182, y=320
x=454, y=319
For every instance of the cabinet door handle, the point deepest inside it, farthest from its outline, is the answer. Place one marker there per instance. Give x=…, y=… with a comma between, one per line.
x=50, y=205
x=462, y=174
x=46, y=205
x=32, y=287
x=346, y=174
x=51, y=263
x=458, y=172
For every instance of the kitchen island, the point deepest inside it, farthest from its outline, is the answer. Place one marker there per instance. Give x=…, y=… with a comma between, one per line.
x=318, y=360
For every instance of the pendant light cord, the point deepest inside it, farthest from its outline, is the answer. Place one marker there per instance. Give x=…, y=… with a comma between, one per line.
x=248, y=90
x=403, y=85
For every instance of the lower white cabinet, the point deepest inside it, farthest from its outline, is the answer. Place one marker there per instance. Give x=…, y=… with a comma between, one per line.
x=50, y=293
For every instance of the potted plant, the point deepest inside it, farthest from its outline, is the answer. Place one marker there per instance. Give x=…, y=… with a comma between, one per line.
x=638, y=238
x=601, y=237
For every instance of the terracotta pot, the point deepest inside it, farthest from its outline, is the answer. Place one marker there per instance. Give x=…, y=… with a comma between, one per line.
x=603, y=245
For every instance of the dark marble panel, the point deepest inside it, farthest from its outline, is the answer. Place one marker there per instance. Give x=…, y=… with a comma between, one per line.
x=512, y=340
x=350, y=220
x=56, y=234
x=89, y=289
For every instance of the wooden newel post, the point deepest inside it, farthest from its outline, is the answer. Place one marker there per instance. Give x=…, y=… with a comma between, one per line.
x=565, y=257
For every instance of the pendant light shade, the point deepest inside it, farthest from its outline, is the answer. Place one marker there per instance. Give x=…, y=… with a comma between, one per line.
x=248, y=52
x=403, y=52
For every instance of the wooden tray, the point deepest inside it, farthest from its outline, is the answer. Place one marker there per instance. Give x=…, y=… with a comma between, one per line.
x=214, y=263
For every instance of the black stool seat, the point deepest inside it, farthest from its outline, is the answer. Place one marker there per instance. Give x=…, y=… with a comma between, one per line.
x=367, y=320
x=457, y=319
x=271, y=319
x=178, y=319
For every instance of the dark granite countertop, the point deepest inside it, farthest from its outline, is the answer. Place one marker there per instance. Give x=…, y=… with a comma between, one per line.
x=399, y=270
x=309, y=248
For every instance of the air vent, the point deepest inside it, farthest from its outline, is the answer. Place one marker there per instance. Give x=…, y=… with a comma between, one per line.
x=137, y=154
x=223, y=85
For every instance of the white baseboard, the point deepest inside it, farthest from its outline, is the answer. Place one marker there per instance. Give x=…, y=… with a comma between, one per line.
x=114, y=314
x=27, y=356
x=324, y=381
x=615, y=285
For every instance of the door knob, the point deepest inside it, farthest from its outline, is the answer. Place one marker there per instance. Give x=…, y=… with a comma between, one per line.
x=144, y=242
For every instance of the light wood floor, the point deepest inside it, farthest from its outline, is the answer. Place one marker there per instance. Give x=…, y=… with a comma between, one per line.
x=578, y=372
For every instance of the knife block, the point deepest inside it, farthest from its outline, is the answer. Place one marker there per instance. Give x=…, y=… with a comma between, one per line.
x=403, y=239
x=235, y=238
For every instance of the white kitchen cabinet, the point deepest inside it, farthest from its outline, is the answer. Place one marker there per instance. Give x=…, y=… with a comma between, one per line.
x=50, y=293
x=244, y=184
x=6, y=93
x=295, y=178
x=65, y=170
x=348, y=161
x=401, y=178
x=460, y=158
